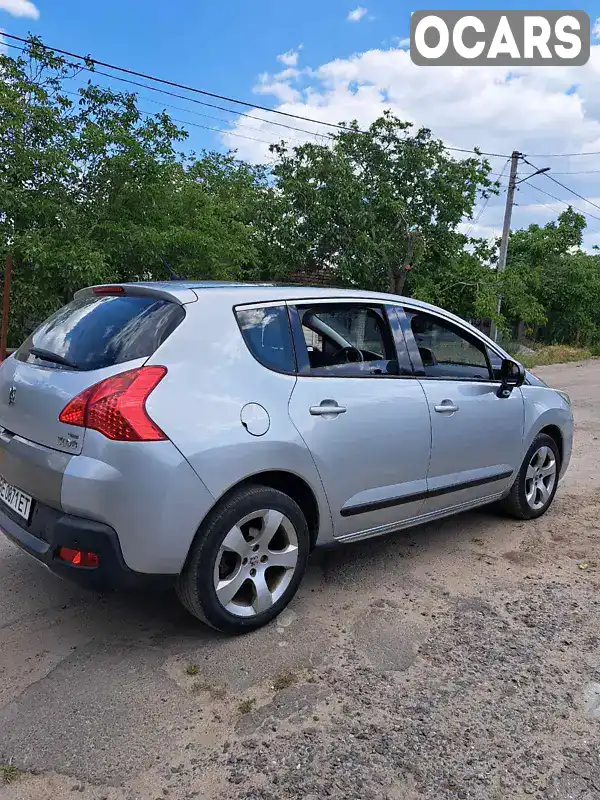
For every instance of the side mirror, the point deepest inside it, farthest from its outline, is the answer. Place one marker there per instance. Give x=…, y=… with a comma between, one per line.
x=512, y=376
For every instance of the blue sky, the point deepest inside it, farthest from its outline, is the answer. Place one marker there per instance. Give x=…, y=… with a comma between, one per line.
x=345, y=68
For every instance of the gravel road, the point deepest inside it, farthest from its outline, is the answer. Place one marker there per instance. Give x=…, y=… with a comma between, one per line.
x=459, y=660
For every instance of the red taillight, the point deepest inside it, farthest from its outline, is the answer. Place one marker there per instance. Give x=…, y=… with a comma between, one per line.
x=79, y=558
x=116, y=407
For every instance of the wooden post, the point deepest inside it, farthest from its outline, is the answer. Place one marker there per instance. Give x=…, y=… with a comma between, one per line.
x=510, y=199
x=5, y=307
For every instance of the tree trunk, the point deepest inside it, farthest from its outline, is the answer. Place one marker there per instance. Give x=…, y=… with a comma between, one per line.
x=400, y=280
x=398, y=274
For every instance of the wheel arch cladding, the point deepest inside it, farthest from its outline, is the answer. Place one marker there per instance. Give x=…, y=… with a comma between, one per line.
x=554, y=432
x=292, y=485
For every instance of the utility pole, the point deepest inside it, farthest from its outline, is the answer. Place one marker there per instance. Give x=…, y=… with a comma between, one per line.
x=5, y=307
x=510, y=198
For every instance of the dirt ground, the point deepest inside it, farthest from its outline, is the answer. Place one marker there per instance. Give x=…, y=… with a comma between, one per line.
x=459, y=660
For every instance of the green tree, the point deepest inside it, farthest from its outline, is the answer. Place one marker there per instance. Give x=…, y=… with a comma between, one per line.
x=366, y=206
x=460, y=278
x=538, y=285
x=93, y=190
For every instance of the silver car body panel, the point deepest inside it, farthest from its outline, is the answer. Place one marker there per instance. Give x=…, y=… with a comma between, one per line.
x=391, y=461
x=361, y=454
x=218, y=377
x=478, y=446
x=146, y=491
x=421, y=519
x=545, y=408
x=34, y=468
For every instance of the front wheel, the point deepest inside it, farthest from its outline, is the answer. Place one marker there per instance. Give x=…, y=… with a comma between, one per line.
x=247, y=561
x=534, y=488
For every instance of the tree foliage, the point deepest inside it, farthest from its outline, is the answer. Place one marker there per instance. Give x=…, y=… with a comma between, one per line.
x=94, y=190
x=367, y=206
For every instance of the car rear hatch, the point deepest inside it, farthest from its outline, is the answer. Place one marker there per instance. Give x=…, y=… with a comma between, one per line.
x=103, y=331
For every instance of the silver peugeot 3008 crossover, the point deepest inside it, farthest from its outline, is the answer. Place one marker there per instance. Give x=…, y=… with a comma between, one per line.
x=212, y=435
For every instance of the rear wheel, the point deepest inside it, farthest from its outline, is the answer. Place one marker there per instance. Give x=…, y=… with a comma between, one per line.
x=534, y=488
x=247, y=561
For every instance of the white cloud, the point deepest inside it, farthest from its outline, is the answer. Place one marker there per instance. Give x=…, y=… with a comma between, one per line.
x=404, y=44
x=536, y=111
x=289, y=59
x=3, y=47
x=596, y=29
x=357, y=14
x=20, y=8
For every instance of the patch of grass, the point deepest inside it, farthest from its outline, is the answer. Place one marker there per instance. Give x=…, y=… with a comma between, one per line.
x=554, y=354
x=245, y=707
x=216, y=692
x=9, y=773
x=284, y=680
x=192, y=669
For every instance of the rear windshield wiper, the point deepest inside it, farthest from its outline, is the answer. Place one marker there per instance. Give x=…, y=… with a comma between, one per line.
x=55, y=358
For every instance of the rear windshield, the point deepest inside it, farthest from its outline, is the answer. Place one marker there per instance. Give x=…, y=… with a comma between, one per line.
x=94, y=332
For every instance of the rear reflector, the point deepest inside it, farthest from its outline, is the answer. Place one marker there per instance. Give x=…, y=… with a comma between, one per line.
x=79, y=558
x=108, y=290
x=116, y=407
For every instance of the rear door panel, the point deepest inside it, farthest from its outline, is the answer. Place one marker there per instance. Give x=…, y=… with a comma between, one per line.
x=373, y=458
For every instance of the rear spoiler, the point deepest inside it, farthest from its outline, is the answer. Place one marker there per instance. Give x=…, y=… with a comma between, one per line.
x=182, y=295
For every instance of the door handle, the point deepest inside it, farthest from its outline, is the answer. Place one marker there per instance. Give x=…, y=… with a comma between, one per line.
x=446, y=407
x=327, y=408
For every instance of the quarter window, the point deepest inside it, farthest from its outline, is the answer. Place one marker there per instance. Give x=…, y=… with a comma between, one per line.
x=266, y=332
x=348, y=340
x=445, y=352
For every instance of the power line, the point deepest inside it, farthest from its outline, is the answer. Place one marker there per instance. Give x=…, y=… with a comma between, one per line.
x=487, y=200
x=197, y=125
x=88, y=59
x=582, y=172
x=208, y=127
x=563, y=155
x=564, y=202
x=567, y=188
x=183, y=97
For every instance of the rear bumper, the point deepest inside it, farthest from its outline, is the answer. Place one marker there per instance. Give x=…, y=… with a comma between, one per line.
x=64, y=530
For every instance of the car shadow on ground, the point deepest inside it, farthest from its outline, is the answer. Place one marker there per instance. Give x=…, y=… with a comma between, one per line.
x=359, y=566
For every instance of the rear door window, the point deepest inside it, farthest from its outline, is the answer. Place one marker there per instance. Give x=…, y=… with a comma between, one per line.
x=94, y=332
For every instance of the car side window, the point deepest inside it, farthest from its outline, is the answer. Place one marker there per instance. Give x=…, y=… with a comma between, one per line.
x=347, y=340
x=446, y=352
x=267, y=334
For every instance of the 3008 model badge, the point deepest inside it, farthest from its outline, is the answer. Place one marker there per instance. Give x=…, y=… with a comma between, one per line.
x=70, y=440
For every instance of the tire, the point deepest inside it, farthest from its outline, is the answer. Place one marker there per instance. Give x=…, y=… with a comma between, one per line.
x=256, y=530
x=519, y=501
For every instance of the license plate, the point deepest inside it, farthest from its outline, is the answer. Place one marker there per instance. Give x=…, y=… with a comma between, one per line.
x=16, y=499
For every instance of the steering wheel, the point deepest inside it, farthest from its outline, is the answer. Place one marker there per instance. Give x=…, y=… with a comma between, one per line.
x=348, y=355
x=428, y=357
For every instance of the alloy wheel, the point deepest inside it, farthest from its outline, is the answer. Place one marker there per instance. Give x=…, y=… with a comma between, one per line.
x=256, y=562
x=540, y=478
